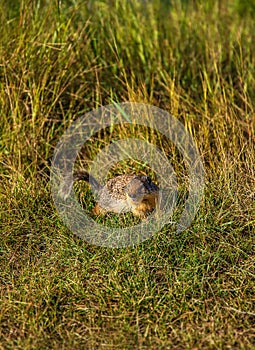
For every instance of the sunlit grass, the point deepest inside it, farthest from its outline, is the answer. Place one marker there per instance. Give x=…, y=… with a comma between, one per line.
x=59, y=60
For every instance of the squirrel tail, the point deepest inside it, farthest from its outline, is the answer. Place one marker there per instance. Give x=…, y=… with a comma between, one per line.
x=85, y=176
x=66, y=185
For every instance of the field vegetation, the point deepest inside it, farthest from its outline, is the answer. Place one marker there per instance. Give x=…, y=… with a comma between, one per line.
x=189, y=290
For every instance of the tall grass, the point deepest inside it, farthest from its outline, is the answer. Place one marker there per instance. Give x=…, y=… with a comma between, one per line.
x=59, y=60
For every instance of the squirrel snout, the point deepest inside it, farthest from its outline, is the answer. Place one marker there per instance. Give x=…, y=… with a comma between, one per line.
x=136, y=197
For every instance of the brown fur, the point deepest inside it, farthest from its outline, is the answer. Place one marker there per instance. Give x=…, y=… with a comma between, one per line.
x=138, y=194
x=147, y=205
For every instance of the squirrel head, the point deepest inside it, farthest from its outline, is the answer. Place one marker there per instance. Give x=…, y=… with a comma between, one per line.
x=139, y=187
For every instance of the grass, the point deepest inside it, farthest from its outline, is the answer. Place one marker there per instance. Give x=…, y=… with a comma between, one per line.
x=192, y=290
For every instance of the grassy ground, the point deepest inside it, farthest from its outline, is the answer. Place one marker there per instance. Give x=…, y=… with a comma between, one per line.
x=194, y=290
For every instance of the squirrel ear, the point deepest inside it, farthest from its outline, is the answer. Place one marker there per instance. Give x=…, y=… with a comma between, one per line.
x=146, y=178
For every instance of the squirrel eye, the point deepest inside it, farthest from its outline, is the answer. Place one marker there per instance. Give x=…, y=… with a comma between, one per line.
x=132, y=195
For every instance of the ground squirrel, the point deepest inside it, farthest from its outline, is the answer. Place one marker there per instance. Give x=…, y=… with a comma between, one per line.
x=121, y=194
